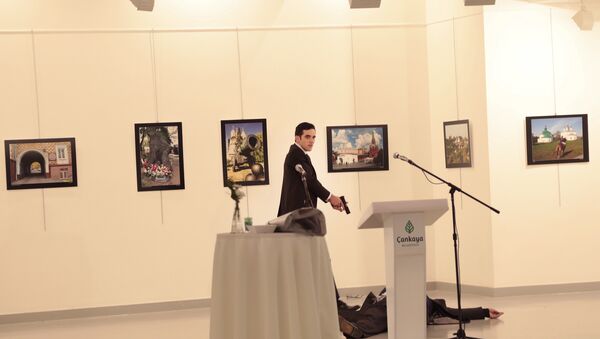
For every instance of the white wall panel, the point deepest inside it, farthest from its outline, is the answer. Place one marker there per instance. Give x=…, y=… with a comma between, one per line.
x=535, y=57
x=457, y=92
x=18, y=120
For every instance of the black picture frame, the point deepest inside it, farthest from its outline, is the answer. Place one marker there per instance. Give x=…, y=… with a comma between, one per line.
x=244, y=151
x=457, y=144
x=357, y=148
x=159, y=156
x=40, y=163
x=544, y=145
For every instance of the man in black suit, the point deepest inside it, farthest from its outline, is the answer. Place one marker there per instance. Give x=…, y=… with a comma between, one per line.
x=292, y=190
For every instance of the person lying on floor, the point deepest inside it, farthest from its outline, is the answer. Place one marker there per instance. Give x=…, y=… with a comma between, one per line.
x=371, y=318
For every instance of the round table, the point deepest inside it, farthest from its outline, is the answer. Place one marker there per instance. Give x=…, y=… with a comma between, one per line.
x=272, y=286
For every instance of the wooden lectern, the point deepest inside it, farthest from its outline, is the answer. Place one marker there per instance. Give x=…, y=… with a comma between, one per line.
x=404, y=236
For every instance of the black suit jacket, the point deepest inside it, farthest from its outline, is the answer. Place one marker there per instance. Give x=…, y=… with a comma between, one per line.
x=292, y=190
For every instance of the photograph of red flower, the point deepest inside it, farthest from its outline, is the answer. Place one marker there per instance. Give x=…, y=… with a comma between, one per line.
x=159, y=156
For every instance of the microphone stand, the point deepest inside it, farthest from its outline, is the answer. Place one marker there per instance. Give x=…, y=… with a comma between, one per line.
x=460, y=333
x=308, y=202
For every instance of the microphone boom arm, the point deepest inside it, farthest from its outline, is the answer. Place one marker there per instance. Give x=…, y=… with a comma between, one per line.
x=451, y=185
x=460, y=333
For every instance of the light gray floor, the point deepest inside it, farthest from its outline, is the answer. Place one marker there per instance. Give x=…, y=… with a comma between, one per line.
x=564, y=316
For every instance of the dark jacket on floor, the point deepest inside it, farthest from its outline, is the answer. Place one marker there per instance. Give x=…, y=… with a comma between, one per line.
x=371, y=318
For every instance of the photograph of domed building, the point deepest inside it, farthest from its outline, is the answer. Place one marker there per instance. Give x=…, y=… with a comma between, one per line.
x=40, y=163
x=545, y=137
x=357, y=148
x=569, y=133
x=561, y=138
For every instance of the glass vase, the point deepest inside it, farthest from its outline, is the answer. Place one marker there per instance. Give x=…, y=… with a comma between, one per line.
x=237, y=226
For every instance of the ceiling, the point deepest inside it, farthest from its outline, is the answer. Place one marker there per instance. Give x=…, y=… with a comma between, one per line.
x=590, y=5
x=567, y=3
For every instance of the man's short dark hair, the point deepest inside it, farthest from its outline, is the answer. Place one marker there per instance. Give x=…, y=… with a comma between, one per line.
x=303, y=126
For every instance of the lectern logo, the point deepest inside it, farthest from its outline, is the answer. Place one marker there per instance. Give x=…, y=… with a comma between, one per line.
x=410, y=241
x=409, y=227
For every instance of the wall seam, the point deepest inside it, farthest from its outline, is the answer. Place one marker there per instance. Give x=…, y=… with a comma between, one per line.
x=355, y=106
x=239, y=55
x=554, y=98
x=37, y=108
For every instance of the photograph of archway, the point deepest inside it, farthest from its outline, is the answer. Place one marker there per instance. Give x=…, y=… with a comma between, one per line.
x=40, y=163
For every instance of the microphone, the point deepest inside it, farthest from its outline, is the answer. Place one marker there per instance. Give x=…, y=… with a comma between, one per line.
x=401, y=157
x=300, y=169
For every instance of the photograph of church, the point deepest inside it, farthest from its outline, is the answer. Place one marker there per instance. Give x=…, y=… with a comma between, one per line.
x=561, y=138
x=357, y=148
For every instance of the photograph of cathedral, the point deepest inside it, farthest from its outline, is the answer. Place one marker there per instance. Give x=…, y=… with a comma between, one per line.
x=556, y=139
x=357, y=148
x=40, y=163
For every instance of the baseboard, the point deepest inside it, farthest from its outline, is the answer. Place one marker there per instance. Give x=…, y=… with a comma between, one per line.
x=471, y=289
x=434, y=285
x=103, y=311
x=360, y=290
x=487, y=291
x=348, y=292
x=517, y=290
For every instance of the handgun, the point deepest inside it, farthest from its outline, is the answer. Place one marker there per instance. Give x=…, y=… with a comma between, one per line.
x=345, y=204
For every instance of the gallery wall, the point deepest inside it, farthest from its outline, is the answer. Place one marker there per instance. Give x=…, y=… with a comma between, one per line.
x=409, y=65
x=539, y=63
x=103, y=243
x=457, y=91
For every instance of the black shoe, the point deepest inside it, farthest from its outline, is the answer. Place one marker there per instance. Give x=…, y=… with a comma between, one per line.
x=369, y=300
x=349, y=329
x=343, y=306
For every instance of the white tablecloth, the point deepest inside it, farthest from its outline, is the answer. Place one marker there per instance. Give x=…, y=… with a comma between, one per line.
x=272, y=286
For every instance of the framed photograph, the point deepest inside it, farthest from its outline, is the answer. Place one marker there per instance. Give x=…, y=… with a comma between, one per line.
x=457, y=144
x=556, y=139
x=159, y=156
x=244, y=151
x=40, y=163
x=357, y=148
